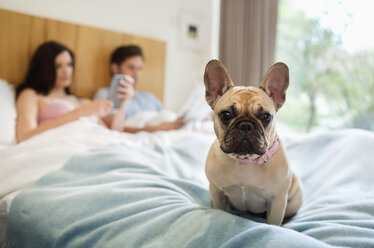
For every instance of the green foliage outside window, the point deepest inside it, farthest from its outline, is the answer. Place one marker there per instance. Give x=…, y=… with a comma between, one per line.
x=329, y=87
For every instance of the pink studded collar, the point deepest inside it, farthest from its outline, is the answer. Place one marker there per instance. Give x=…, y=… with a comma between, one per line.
x=264, y=158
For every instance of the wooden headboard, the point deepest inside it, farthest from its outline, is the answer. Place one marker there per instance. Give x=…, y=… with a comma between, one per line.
x=21, y=34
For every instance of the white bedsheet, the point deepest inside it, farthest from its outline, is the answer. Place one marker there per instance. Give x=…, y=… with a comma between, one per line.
x=23, y=164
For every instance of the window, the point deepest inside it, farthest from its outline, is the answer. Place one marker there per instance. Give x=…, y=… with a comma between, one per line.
x=329, y=48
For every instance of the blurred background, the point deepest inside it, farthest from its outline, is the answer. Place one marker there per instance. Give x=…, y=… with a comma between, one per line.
x=327, y=44
x=329, y=47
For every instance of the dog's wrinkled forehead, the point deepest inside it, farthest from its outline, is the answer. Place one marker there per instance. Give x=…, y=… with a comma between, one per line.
x=244, y=100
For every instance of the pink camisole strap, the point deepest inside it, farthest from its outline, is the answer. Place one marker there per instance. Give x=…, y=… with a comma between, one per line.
x=53, y=110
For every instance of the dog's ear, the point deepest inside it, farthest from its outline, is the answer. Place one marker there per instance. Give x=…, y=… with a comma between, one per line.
x=217, y=81
x=275, y=83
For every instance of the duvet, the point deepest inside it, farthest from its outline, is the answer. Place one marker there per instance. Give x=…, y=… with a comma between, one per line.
x=125, y=195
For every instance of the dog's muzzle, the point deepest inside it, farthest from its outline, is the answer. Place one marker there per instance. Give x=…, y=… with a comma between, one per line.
x=244, y=137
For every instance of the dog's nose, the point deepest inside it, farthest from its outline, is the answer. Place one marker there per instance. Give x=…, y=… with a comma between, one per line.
x=245, y=126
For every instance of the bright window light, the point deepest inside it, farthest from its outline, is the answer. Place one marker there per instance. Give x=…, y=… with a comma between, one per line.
x=329, y=48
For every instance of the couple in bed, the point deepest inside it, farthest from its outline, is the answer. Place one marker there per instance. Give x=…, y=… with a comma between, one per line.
x=44, y=100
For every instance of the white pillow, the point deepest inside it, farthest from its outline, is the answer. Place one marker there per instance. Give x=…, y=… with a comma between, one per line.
x=195, y=108
x=8, y=114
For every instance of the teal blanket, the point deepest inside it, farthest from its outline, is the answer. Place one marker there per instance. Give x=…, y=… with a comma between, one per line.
x=127, y=196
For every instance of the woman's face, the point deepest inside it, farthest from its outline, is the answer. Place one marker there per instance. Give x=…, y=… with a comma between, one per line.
x=64, y=70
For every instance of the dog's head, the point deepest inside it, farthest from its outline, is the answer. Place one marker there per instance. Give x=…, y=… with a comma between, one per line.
x=244, y=116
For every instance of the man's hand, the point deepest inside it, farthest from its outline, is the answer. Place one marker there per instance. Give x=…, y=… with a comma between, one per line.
x=165, y=126
x=171, y=125
x=125, y=88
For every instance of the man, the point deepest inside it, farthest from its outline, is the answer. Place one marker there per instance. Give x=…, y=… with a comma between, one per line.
x=129, y=60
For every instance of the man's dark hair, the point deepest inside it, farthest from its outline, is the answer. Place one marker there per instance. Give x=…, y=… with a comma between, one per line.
x=124, y=52
x=41, y=74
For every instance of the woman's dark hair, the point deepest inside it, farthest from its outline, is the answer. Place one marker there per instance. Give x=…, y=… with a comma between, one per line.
x=41, y=74
x=124, y=52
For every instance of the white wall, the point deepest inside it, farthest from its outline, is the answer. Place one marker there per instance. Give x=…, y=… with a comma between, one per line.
x=149, y=18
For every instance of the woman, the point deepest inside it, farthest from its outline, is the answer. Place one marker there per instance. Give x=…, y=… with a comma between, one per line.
x=44, y=100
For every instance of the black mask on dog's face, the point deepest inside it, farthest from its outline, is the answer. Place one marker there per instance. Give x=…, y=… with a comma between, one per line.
x=243, y=125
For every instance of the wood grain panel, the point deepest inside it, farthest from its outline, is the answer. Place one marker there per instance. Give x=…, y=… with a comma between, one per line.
x=21, y=34
x=14, y=46
x=87, y=80
x=154, y=55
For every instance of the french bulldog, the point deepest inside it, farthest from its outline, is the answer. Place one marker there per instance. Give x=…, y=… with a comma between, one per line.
x=246, y=165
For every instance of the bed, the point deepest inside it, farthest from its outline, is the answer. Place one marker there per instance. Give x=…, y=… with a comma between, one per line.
x=100, y=188
x=81, y=185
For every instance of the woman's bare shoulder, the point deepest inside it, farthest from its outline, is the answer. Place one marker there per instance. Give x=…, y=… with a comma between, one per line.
x=28, y=95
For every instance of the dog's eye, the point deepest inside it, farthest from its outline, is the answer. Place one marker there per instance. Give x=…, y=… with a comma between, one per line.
x=225, y=117
x=265, y=118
